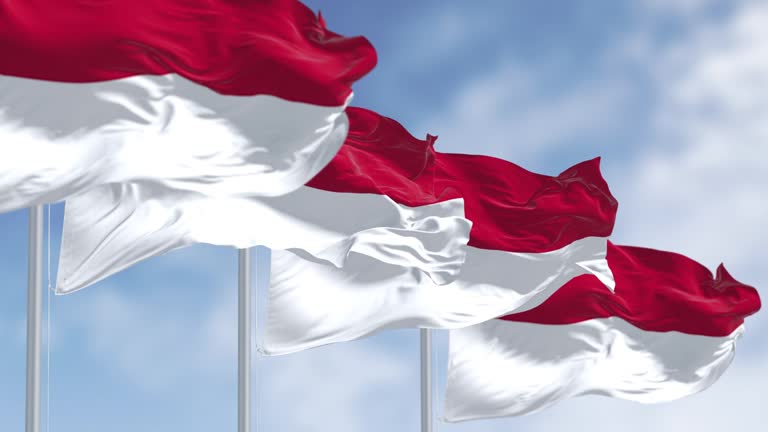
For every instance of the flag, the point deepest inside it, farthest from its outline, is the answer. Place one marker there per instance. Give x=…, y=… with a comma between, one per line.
x=530, y=234
x=217, y=97
x=375, y=198
x=668, y=331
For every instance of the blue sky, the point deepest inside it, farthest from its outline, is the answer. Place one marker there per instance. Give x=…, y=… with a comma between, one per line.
x=673, y=94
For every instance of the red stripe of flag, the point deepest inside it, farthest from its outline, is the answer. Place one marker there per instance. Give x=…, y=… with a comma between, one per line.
x=234, y=47
x=655, y=291
x=512, y=209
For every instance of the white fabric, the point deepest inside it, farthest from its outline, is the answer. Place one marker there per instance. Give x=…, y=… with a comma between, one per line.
x=58, y=139
x=109, y=228
x=502, y=368
x=312, y=303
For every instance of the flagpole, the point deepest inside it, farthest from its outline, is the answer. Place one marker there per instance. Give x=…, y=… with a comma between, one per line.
x=426, y=379
x=34, y=317
x=244, y=341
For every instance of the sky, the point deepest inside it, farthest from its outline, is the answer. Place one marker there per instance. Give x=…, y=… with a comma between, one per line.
x=672, y=94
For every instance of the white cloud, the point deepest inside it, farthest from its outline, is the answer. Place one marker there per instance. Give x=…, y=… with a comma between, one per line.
x=343, y=388
x=508, y=112
x=161, y=345
x=435, y=35
x=700, y=186
x=157, y=344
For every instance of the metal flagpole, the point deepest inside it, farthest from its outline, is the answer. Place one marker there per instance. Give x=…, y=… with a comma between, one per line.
x=244, y=341
x=426, y=379
x=34, y=317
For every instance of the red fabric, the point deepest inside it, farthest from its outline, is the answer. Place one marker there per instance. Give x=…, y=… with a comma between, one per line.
x=235, y=47
x=655, y=291
x=512, y=209
x=515, y=210
x=379, y=156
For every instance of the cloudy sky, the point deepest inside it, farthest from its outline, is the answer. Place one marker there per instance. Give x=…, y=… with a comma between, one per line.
x=673, y=94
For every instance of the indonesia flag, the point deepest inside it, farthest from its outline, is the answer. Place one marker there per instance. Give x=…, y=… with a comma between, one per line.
x=668, y=331
x=530, y=235
x=376, y=198
x=217, y=97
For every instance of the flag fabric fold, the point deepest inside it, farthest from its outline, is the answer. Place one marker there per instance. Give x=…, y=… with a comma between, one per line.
x=374, y=199
x=530, y=235
x=668, y=331
x=216, y=97
x=312, y=304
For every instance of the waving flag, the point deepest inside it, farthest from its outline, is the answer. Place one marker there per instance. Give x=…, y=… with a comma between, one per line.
x=216, y=97
x=530, y=235
x=375, y=198
x=668, y=331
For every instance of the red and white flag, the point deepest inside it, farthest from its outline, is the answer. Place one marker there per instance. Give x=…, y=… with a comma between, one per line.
x=530, y=235
x=376, y=198
x=668, y=331
x=214, y=97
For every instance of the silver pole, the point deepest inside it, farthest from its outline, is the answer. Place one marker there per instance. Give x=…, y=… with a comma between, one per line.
x=244, y=341
x=426, y=380
x=34, y=317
